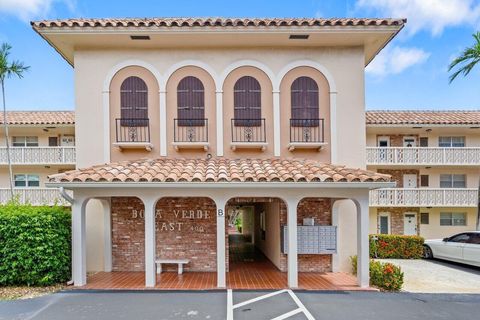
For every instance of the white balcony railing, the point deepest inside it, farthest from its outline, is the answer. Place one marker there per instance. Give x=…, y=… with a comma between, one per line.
x=423, y=156
x=34, y=196
x=424, y=197
x=38, y=155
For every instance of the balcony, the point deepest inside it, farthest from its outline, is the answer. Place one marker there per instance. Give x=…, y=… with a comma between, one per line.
x=38, y=155
x=190, y=134
x=306, y=134
x=428, y=156
x=34, y=196
x=132, y=134
x=248, y=134
x=424, y=197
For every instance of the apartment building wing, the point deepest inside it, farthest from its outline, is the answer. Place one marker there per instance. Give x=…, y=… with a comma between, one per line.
x=434, y=156
x=41, y=143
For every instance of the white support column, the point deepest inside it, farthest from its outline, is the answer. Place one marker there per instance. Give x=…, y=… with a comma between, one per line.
x=107, y=237
x=363, y=257
x=292, y=254
x=163, y=123
x=333, y=128
x=221, y=260
x=219, y=120
x=150, y=242
x=79, y=243
x=276, y=124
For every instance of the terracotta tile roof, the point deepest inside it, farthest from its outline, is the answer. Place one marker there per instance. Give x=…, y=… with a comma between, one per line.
x=215, y=22
x=219, y=170
x=39, y=117
x=423, y=117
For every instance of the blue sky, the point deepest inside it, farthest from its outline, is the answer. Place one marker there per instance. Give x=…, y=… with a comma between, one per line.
x=411, y=73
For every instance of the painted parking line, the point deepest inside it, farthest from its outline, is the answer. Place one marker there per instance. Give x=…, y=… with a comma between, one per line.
x=300, y=306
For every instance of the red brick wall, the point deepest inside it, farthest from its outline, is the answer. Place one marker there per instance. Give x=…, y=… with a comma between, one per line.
x=321, y=210
x=190, y=234
x=397, y=175
x=128, y=235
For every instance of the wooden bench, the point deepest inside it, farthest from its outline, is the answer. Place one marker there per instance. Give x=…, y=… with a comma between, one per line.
x=180, y=263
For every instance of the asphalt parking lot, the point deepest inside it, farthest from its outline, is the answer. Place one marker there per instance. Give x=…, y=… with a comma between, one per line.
x=145, y=305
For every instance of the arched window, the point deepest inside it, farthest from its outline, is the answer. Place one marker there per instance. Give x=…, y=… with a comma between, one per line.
x=247, y=101
x=134, y=102
x=304, y=102
x=190, y=102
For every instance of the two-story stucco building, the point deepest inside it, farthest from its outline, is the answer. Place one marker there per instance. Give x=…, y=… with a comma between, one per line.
x=183, y=123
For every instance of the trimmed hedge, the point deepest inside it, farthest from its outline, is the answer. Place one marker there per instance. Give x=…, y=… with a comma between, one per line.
x=35, y=245
x=386, y=276
x=389, y=246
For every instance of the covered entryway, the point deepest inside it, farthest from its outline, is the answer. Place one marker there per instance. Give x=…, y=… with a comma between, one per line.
x=221, y=179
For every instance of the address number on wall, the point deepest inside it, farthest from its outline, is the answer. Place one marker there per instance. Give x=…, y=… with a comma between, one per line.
x=220, y=212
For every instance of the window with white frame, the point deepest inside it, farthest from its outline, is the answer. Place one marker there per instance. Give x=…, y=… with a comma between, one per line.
x=26, y=180
x=453, y=219
x=449, y=142
x=22, y=141
x=453, y=181
x=384, y=223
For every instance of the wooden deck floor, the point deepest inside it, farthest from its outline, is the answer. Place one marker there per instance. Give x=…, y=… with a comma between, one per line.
x=249, y=269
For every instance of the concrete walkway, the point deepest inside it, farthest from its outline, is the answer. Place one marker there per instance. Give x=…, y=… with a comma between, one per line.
x=436, y=276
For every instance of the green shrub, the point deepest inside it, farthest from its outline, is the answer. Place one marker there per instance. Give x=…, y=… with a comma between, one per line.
x=35, y=245
x=389, y=246
x=386, y=276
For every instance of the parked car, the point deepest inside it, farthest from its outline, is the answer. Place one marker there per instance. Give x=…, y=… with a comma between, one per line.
x=463, y=248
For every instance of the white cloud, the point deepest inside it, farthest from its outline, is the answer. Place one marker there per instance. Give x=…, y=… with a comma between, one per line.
x=29, y=9
x=394, y=60
x=429, y=15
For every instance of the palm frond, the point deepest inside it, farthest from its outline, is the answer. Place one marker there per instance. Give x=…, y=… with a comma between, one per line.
x=9, y=69
x=469, y=58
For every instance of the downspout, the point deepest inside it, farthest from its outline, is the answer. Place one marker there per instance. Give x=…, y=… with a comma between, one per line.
x=65, y=195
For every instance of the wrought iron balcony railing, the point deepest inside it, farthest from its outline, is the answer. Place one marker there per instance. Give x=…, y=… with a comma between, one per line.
x=190, y=130
x=307, y=130
x=132, y=130
x=248, y=130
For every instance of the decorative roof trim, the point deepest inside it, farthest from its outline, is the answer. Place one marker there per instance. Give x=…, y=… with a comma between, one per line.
x=213, y=22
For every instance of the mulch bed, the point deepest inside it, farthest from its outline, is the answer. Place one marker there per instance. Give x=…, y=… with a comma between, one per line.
x=25, y=292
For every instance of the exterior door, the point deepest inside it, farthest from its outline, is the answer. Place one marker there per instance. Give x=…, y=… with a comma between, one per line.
x=409, y=180
x=409, y=141
x=410, y=224
x=383, y=142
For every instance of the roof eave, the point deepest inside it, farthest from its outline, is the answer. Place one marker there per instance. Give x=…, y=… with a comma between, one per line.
x=212, y=185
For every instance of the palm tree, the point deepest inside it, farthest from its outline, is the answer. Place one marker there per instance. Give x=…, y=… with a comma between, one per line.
x=469, y=58
x=7, y=70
